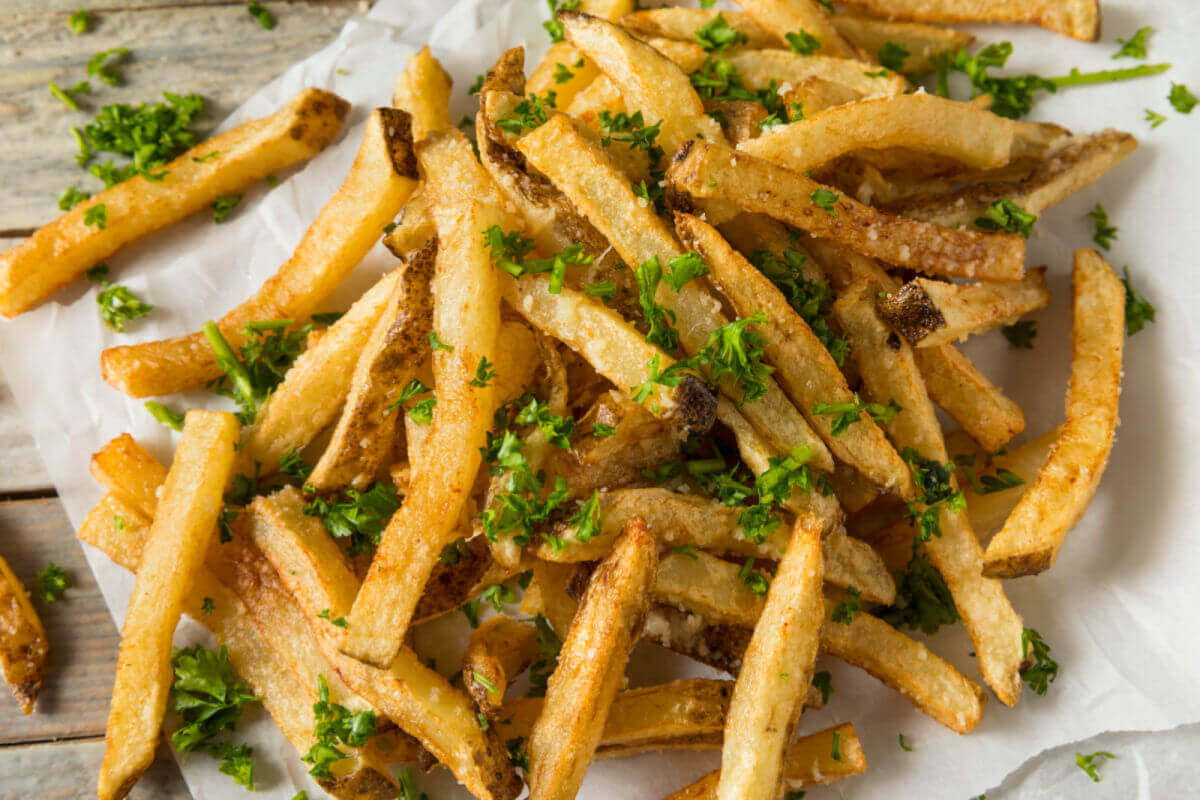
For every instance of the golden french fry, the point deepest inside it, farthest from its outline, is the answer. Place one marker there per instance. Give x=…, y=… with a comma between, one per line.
x=1033, y=534
x=809, y=761
x=363, y=436
x=783, y=17
x=889, y=372
x=924, y=123
x=60, y=252
x=380, y=182
x=591, y=667
x=414, y=226
x=549, y=75
x=1079, y=19
x=124, y=467
x=184, y=524
x=761, y=69
x=547, y=595
x=929, y=313
x=804, y=367
x=499, y=650
x=423, y=90
x=924, y=43
x=989, y=511
x=466, y=319
x=23, y=644
x=673, y=22
x=710, y=171
x=777, y=667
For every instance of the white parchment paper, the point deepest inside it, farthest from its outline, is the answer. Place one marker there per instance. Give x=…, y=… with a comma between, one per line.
x=1122, y=607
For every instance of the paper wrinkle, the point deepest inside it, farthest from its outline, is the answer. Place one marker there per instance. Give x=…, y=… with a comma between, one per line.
x=1120, y=607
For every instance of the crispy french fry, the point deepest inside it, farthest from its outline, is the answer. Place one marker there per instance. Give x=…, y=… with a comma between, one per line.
x=287, y=697
x=889, y=371
x=423, y=90
x=709, y=171
x=922, y=122
x=585, y=174
x=60, y=252
x=1072, y=165
x=591, y=666
x=783, y=17
x=924, y=43
x=760, y=69
x=466, y=319
x=809, y=761
x=416, y=698
x=363, y=436
x=23, y=644
x=649, y=81
x=988, y=511
x=674, y=22
x=124, y=467
x=315, y=388
x=777, y=667
x=547, y=595
x=1079, y=19
x=499, y=650
x=414, y=226
x=183, y=527
x=804, y=367
x=929, y=313
x=550, y=76
x=380, y=182
x=1033, y=534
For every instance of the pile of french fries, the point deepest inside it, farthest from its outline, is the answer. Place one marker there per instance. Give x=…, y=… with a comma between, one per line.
x=871, y=192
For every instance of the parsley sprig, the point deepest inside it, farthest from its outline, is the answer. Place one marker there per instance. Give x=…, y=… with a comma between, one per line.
x=717, y=34
x=1103, y=234
x=335, y=726
x=1138, y=310
x=268, y=350
x=935, y=490
x=923, y=599
x=846, y=414
x=1091, y=762
x=118, y=305
x=530, y=113
x=1040, y=670
x=208, y=696
x=1020, y=335
x=812, y=300
x=52, y=581
x=359, y=518
x=509, y=251
x=1006, y=216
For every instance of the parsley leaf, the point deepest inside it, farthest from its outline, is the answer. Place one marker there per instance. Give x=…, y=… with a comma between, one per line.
x=717, y=34
x=484, y=372
x=207, y=606
x=846, y=610
x=925, y=602
x=1020, y=335
x=849, y=413
x=561, y=73
x=752, y=579
x=1154, y=118
x=825, y=199
x=67, y=96
x=935, y=488
x=1134, y=46
x=1103, y=234
x=1042, y=670
x=209, y=697
x=477, y=86
x=586, y=522
x=658, y=318
x=1138, y=310
x=261, y=14
x=78, y=22
x=812, y=300
x=172, y=419
x=71, y=197
x=436, y=344
x=823, y=681
x=600, y=430
x=903, y=746
x=835, y=749
x=223, y=206
x=334, y=726
x=735, y=350
x=556, y=429
x=360, y=518
x=1181, y=99
x=267, y=352
x=803, y=42
x=96, y=215
x=604, y=291
x=682, y=269
x=118, y=306
x=893, y=55
x=1091, y=762
x=632, y=129
x=529, y=113
x=52, y=581
x=549, y=646
x=1005, y=215
x=552, y=25
x=103, y=63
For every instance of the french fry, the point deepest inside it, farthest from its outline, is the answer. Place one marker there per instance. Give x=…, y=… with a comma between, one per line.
x=760, y=69
x=674, y=22
x=416, y=698
x=60, y=252
x=815, y=94
x=583, y=72
x=777, y=667
x=364, y=432
x=804, y=367
x=23, y=644
x=466, y=318
x=649, y=81
x=783, y=17
x=709, y=171
x=547, y=595
x=315, y=388
x=585, y=175
x=183, y=527
x=889, y=373
x=287, y=697
x=423, y=90
x=590, y=667
x=1033, y=534
x=380, y=182
x=930, y=313
x=499, y=650
x=924, y=123
x=414, y=226
x=924, y=43
x=1079, y=19
x=1072, y=165
x=989, y=511
x=809, y=761
x=125, y=468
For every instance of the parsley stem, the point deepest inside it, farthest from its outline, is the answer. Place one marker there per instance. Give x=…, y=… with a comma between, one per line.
x=228, y=361
x=1077, y=78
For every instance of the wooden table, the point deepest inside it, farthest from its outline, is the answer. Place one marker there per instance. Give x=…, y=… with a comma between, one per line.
x=211, y=47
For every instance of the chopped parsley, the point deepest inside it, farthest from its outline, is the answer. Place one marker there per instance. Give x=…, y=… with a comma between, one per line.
x=223, y=206
x=436, y=344
x=846, y=610
x=67, y=96
x=1005, y=215
x=684, y=268
x=484, y=372
x=825, y=199
x=561, y=73
x=735, y=351
x=52, y=581
x=823, y=681
x=71, y=197
x=1103, y=234
x=207, y=606
x=600, y=430
x=509, y=251
x=1181, y=99
x=633, y=130
x=360, y=518
x=846, y=414
x=935, y=489
x=294, y=466
x=408, y=784
x=812, y=300
x=1154, y=118
x=1020, y=335
x=150, y=135
x=96, y=215
x=206, y=157
x=530, y=113
x=335, y=726
x=260, y=14
x=103, y=64
x=549, y=646
x=267, y=352
x=552, y=25
x=169, y=417
x=803, y=42
x=477, y=86
x=413, y=389
x=557, y=429
x=925, y=602
x=903, y=746
x=118, y=305
x=1138, y=310
x=835, y=749
x=497, y=595
x=78, y=22
x=338, y=621
x=1091, y=762
x=604, y=291
x=586, y=522
x=686, y=550
x=752, y=579
x=1134, y=46
x=658, y=319
x=1040, y=670
x=893, y=55
x=717, y=34
x=208, y=696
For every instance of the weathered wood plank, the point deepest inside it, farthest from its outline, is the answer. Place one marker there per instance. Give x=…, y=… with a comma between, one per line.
x=219, y=52
x=83, y=640
x=67, y=771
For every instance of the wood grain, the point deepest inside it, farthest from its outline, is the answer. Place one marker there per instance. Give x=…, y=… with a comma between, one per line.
x=217, y=51
x=67, y=771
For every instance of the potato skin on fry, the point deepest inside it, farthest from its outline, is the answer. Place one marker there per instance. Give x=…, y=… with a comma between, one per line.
x=23, y=645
